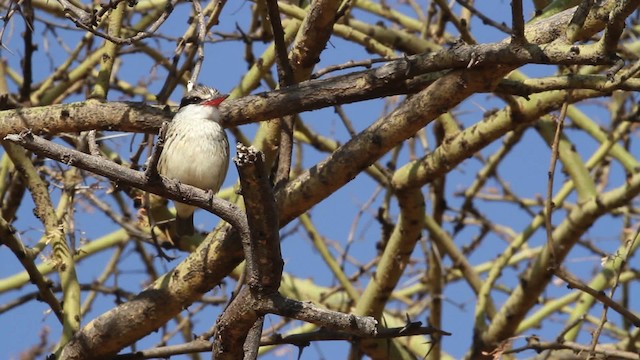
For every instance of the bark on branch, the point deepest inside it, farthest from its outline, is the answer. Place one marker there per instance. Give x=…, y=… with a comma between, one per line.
x=401, y=76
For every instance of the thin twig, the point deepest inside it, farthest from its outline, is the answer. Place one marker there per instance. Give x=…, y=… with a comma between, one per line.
x=575, y=283
x=549, y=205
x=11, y=9
x=485, y=19
x=351, y=64
x=285, y=78
x=202, y=32
x=29, y=49
x=45, y=293
x=86, y=22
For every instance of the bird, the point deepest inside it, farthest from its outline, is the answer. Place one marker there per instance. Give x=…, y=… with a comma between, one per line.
x=196, y=149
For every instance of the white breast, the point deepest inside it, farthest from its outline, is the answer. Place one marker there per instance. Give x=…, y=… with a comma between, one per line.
x=196, y=150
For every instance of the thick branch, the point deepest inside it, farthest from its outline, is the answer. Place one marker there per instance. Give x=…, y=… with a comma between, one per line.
x=264, y=260
x=386, y=80
x=393, y=262
x=233, y=325
x=262, y=254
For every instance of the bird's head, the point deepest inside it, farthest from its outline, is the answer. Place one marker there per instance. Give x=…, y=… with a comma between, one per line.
x=202, y=101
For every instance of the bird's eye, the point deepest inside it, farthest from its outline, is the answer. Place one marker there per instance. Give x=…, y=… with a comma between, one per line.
x=188, y=100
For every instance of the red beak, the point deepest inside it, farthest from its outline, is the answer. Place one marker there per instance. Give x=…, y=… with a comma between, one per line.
x=215, y=102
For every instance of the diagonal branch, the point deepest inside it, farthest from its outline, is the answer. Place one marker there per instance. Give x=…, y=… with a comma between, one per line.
x=575, y=283
x=389, y=79
x=170, y=189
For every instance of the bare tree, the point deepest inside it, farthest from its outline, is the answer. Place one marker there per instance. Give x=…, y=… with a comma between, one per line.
x=466, y=237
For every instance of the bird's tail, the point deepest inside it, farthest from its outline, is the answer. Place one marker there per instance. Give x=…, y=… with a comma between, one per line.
x=184, y=225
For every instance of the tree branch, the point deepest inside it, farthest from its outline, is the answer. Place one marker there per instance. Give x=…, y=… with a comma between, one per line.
x=170, y=189
x=389, y=79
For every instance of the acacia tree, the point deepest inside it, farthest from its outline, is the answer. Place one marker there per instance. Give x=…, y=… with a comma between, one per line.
x=425, y=254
